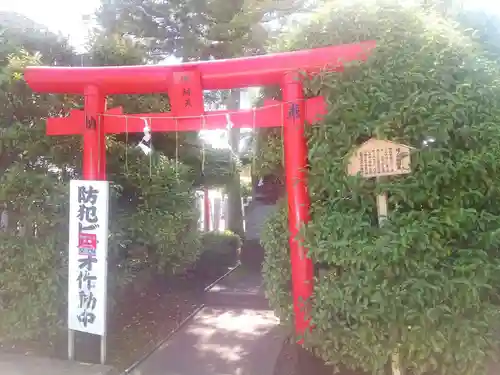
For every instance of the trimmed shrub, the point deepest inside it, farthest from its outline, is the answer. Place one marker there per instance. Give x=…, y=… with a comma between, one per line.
x=157, y=211
x=152, y=206
x=34, y=261
x=219, y=249
x=421, y=290
x=276, y=267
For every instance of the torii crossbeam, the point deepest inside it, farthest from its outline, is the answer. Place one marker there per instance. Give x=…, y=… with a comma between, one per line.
x=185, y=84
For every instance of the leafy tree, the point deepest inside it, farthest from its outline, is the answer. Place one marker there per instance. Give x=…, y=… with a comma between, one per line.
x=485, y=29
x=202, y=30
x=198, y=29
x=32, y=199
x=155, y=206
x=186, y=147
x=419, y=292
x=35, y=170
x=481, y=24
x=114, y=49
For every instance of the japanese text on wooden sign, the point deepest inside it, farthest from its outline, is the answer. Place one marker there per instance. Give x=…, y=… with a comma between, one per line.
x=88, y=248
x=186, y=94
x=376, y=158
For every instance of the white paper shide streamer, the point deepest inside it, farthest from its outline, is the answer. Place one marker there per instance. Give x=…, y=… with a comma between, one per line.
x=145, y=144
x=230, y=124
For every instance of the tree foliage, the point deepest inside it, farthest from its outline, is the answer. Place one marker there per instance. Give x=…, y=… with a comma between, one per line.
x=202, y=30
x=32, y=199
x=152, y=200
x=155, y=203
x=156, y=210
x=108, y=49
x=198, y=29
x=423, y=285
x=485, y=28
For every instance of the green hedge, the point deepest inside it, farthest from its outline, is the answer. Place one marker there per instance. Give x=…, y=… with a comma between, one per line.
x=156, y=210
x=152, y=198
x=220, y=242
x=162, y=219
x=276, y=267
x=425, y=285
x=32, y=269
x=219, y=249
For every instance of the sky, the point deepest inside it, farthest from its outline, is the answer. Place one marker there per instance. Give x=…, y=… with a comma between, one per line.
x=68, y=16
x=65, y=16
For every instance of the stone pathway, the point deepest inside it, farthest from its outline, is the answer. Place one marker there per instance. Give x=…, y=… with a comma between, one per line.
x=235, y=334
x=223, y=339
x=28, y=365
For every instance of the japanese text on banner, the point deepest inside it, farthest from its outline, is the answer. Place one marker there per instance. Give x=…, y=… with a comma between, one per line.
x=88, y=256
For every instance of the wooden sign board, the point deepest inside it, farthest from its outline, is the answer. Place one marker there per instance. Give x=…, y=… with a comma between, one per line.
x=377, y=158
x=186, y=94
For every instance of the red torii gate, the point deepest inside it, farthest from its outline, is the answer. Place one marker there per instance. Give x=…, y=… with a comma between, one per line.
x=184, y=84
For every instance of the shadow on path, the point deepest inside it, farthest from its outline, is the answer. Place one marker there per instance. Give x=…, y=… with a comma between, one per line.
x=228, y=337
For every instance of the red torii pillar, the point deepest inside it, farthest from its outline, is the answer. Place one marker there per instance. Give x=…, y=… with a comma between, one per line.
x=94, y=146
x=185, y=84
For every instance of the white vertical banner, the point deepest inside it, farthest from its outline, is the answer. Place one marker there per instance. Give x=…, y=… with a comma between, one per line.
x=88, y=256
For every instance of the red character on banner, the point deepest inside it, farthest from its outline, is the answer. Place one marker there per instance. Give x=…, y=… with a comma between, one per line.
x=87, y=244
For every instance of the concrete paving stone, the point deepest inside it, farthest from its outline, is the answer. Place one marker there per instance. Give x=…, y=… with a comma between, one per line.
x=220, y=341
x=27, y=365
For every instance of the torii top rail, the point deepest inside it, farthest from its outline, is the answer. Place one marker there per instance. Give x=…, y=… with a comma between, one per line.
x=215, y=74
x=184, y=84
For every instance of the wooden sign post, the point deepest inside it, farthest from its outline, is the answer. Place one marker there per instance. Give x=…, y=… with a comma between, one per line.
x=378, y=159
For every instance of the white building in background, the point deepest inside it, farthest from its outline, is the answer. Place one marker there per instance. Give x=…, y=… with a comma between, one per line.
x=218, y=210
